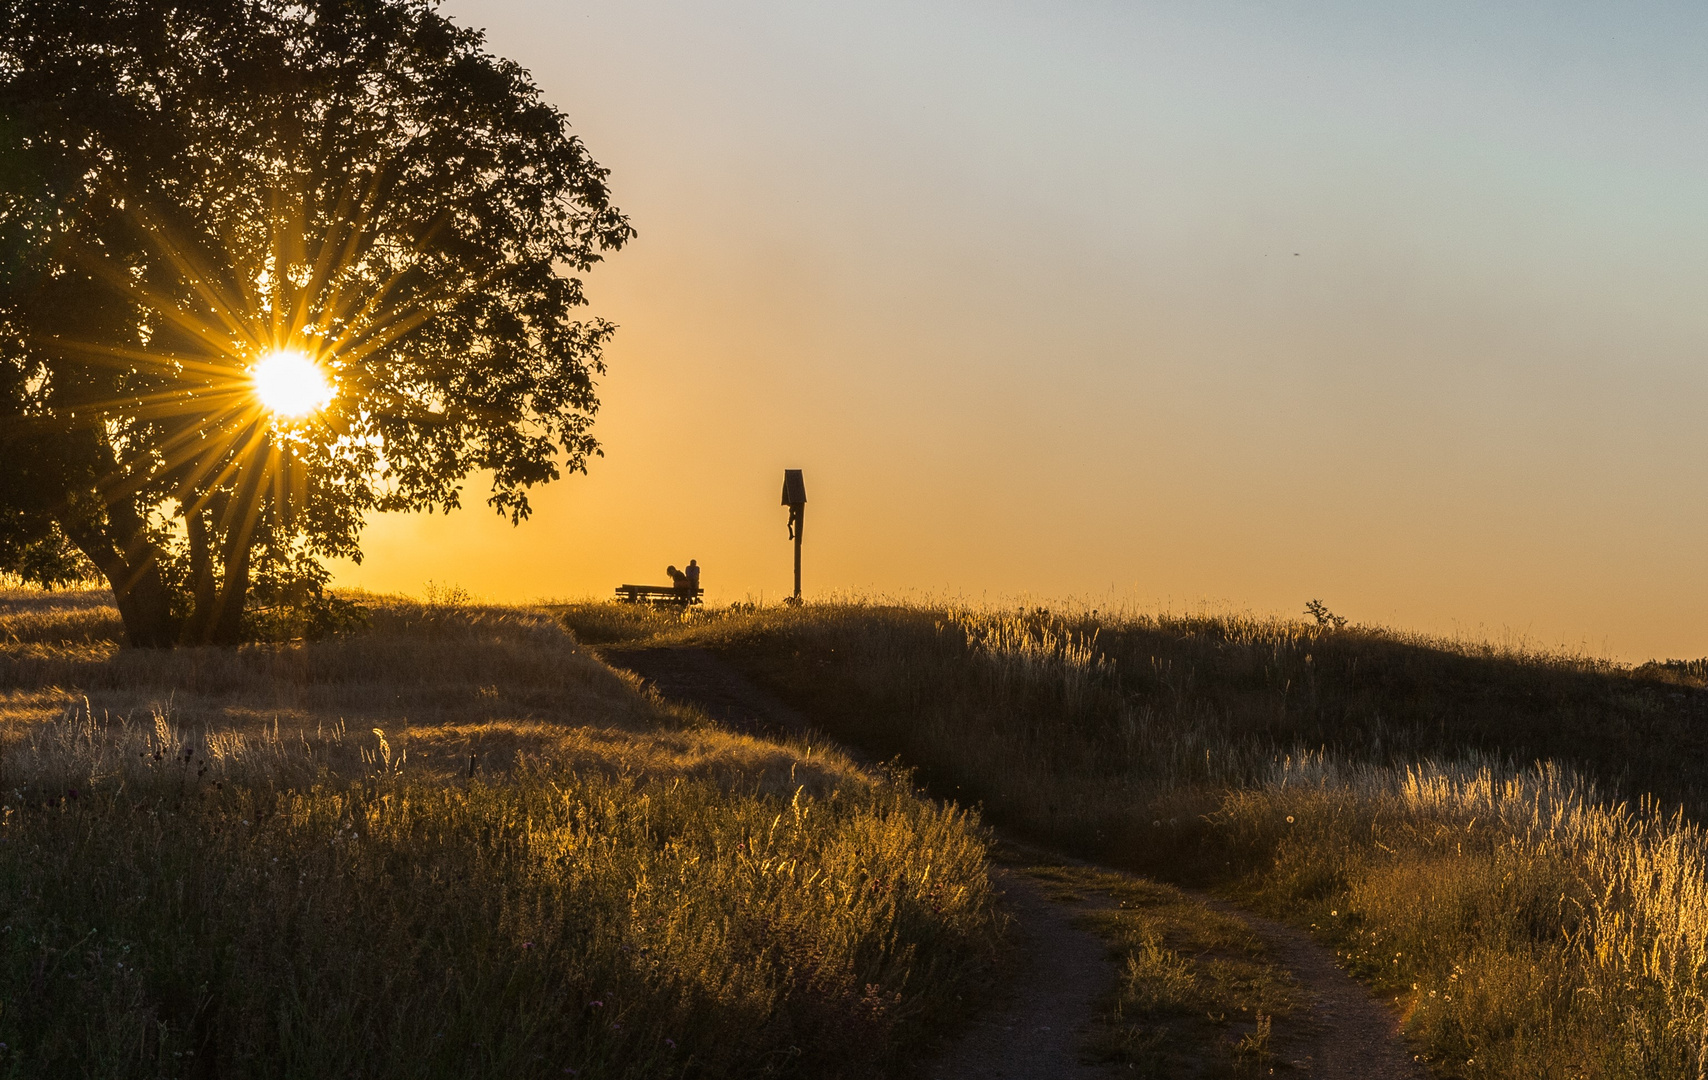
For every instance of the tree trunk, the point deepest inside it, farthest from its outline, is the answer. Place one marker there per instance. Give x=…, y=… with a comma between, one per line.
x=144, y=602
x=239, y=529
x=145, y=606
x=234, y=591
x=198, y=629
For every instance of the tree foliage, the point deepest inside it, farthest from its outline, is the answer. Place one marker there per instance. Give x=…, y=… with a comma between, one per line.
x=188, y=185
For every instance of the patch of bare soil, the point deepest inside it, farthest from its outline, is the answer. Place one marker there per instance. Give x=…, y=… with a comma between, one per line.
x=1060, y=978
x=1062, y=974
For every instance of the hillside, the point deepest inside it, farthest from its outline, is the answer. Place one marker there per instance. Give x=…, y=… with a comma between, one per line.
x=449, y=844
x=1506, y=843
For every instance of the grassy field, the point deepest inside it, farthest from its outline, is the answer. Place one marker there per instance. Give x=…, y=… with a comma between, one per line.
x=1504, y=841
x=451, y=844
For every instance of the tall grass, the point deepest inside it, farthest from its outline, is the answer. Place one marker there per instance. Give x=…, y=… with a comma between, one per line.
x=1493, y=836
x=607, y=888
x=1532, y=928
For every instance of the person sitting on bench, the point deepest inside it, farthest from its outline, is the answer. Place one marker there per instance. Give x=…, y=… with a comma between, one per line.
x=692, y=574
x=678, y=580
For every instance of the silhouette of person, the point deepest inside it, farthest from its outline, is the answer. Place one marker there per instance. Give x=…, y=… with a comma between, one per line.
x=678, y=580
x=693, y=576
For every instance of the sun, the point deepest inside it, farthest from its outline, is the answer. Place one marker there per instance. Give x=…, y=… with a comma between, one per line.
x=290, y=384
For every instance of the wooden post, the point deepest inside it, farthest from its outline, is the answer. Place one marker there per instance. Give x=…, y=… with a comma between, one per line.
x=795, y=498
x=800, y=527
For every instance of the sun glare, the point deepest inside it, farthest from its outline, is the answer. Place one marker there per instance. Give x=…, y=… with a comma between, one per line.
x=290, y=383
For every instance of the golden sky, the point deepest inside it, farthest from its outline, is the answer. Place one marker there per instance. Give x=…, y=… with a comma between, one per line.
x=1398, y=306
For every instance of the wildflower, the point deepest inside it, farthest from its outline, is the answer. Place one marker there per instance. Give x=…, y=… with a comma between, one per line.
x=667, y=1042
x=527, y=944
x=595, y=1004
x=1289, y=819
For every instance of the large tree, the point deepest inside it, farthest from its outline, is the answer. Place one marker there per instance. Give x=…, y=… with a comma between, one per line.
x=199, y=194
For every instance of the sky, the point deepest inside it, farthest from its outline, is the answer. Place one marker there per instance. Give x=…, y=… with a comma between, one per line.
x=1398, y=306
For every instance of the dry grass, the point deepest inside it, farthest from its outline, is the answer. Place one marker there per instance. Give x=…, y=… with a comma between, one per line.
x=1377, y=786
x=213, y=864
x=443, y=681
x=1529, y=927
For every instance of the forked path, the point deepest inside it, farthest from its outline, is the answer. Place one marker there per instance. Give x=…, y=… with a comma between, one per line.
x=1063, y=972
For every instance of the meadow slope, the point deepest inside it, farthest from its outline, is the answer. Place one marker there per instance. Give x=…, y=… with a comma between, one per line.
x=449, y=844
x=1505, y=842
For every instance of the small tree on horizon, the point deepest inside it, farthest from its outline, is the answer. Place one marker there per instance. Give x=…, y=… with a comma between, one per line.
x=190, y=186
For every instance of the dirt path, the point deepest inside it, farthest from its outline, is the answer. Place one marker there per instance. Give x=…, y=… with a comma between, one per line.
x=1063, y=972
x=1349, y=1035
x=697, y=677
x=1060, y=978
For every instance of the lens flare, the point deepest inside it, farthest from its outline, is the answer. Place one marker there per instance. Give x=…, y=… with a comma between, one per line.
x=290, y=384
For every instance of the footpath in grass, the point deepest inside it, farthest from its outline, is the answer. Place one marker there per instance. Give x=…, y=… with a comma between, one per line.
x=1105, y=971
x=1197, y=993
x=1505, y=842
x=450, y=844
x=1113, y=975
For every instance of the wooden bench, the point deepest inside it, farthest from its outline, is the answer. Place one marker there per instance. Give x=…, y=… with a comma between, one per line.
x=657, y=594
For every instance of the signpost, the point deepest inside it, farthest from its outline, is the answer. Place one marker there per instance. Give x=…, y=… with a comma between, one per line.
x=795, y=498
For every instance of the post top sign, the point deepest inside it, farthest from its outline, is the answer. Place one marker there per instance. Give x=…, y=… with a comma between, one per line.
x=794, y=488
